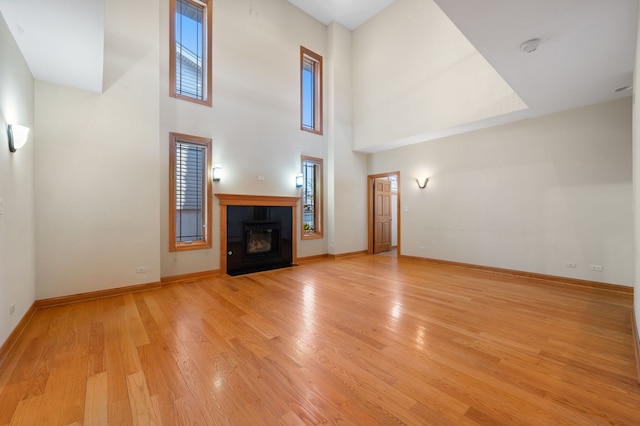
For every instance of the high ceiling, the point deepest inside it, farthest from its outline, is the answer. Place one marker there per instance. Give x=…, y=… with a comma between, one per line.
x=586, y=52
x=61, y=40
x=348, y=13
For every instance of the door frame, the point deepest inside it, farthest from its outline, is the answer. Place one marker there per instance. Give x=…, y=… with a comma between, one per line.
x=370, y=200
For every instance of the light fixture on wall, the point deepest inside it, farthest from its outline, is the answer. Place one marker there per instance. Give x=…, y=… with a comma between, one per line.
x=217, y=173
x=17, y=136
x=422, y=182
x=298, y=181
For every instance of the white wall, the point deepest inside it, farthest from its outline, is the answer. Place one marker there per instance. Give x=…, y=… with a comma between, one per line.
x=636, y=177
x=255, y=119
x=528, y=196
x=17, y=225
x=394, y=219
x=97, y=188
x=418, y=74
x=347, y=192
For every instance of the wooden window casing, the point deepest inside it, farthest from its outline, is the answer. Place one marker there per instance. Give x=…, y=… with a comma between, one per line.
x=178, y=191
x=310, y=91
x=311, y=205
x=202, y=95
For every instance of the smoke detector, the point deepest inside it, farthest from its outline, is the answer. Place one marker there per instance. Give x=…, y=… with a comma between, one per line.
x=530, y=46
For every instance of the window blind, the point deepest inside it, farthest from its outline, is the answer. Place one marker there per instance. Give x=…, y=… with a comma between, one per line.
x=190, y=178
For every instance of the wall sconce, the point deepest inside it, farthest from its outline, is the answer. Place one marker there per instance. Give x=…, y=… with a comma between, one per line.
x=17, y=136
x=422, y=182
x=299, y=181
x=217, y=173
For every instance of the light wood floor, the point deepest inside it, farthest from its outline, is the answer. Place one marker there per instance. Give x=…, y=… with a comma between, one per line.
x=364, y=340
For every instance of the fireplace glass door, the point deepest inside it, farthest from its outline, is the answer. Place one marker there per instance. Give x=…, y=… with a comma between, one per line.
x=261, y=239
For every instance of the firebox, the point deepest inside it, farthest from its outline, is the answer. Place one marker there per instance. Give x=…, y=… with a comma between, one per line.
x=262, y=239
x=258, y=238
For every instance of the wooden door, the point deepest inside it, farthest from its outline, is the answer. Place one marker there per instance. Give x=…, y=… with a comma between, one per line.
x=381, y=215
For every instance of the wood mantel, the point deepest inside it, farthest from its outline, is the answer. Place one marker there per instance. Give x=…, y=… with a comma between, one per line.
x=256, y=200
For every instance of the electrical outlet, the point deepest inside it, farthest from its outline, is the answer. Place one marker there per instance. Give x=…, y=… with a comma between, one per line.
x=141, y=269
x=597, y=268
x=12, y=308
x=570, y=265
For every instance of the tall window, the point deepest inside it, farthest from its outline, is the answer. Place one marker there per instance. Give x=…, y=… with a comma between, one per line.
x=190, y=192
x=310, y=91
x=311, y=197
x=190, y=50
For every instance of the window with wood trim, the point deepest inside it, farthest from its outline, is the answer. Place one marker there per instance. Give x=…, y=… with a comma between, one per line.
x=310, y=91
x=190, y=51
x=190, y=192
x=311, y=197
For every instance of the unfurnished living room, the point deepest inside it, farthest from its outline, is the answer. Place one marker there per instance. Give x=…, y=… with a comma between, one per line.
x=246, y=212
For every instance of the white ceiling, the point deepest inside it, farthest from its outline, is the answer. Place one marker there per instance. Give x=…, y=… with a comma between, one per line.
x=587, y=48
x=348, y=13
x=62, y=41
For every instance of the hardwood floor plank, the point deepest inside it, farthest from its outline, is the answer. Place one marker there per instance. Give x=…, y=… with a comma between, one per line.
x=95, y=349
x=505, y=401
x=195, y=375
x=119, y=409
x=27, y=412
x=251, y=368
x=134, y=323
x=376, y=397
x=290, y=419
x=188, y=411
x=75, y=390
x=437, y=415
x=142, y=409
x=53, y=396
x=41, y=370
x=262, y=326
x=356, y=341
x=96, y=400
x=17, y=372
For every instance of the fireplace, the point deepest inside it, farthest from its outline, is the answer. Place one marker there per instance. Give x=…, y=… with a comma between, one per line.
x=257, y=233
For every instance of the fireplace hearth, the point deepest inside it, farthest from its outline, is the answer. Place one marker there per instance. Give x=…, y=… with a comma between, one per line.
x=256, y=237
